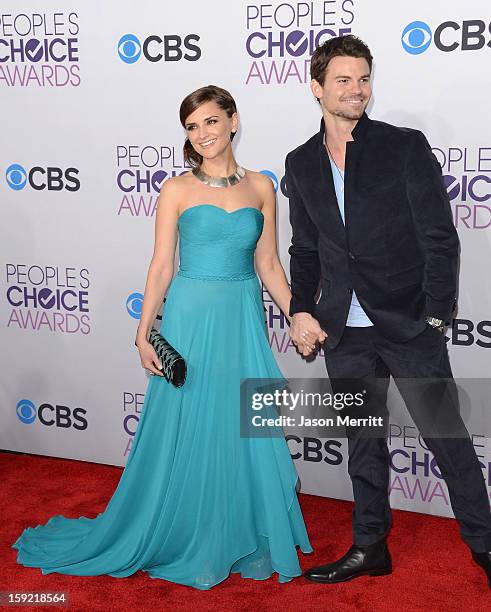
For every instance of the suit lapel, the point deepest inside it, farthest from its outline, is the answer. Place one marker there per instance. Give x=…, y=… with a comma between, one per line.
x=353, y=152
x=321, y=199
x=329, y=205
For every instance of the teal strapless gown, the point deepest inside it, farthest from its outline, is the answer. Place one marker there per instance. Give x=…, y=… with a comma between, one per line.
x=195, y=501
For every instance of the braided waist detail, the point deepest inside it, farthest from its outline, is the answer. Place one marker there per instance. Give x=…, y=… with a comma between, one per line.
x=234, y=277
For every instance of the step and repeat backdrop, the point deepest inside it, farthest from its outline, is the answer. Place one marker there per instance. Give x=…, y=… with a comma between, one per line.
x=90, y=94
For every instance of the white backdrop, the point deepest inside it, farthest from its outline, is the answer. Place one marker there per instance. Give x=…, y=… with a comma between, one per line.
x=90, y=129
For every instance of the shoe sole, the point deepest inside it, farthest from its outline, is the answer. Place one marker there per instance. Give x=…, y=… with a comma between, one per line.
x=379, y=572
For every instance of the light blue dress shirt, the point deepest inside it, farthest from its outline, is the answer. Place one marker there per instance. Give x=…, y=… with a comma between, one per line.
x=357, y=317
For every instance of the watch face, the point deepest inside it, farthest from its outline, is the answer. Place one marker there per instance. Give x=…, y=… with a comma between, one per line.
x=434, y=322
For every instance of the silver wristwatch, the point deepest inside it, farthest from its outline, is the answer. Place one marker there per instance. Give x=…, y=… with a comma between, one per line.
x=434, y=322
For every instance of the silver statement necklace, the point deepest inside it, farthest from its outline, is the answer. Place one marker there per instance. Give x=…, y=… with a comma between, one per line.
x=220, y=181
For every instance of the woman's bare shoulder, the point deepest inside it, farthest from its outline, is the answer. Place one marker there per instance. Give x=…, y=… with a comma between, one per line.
x=177, y=184
x=260, y=181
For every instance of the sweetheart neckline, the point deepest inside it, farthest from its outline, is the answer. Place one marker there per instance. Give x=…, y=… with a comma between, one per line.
x=227, y=212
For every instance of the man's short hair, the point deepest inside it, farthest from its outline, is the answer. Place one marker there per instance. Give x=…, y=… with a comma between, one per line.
x=350, y=46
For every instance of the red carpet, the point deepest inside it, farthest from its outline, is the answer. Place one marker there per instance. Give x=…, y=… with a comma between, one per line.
x=433, y=569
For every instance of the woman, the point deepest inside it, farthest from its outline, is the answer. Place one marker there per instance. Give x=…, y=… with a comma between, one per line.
x=196, y=500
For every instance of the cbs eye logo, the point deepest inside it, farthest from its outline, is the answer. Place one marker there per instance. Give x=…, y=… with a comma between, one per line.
x=469, y=35
x=129, y=48
x=134, y=305
x=16, y=177
x=169, y=48
x=277, y=184
x=49, y=415
x=50, y=178
x=416, y=37
x=26, y=411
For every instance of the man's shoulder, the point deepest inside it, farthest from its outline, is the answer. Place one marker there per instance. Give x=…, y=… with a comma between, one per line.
x=303, y=150
x=379, y=131
x=389, y=131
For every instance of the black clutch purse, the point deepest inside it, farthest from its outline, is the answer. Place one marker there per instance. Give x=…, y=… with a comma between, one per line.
x=173, y=365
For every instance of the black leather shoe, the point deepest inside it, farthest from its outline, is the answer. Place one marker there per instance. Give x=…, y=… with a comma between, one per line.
x=484, y=560
x=372, y=560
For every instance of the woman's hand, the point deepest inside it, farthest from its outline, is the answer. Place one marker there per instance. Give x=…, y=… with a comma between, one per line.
x=306, y=332
x=148, y=357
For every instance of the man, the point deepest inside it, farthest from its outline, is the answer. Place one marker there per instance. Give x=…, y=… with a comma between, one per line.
x=372, y=225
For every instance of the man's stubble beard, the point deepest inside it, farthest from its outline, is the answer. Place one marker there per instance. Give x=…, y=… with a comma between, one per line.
x=354, y=116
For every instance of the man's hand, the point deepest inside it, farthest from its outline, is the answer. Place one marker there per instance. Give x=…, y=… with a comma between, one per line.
x=305, y=332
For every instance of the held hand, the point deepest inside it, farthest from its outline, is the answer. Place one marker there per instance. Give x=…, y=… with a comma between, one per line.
x=148, y=358
x=305, y=350
x=306, y=332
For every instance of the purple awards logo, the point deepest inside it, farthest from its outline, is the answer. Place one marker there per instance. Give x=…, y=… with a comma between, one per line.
x=132, y=407
x=48, y=297
x=281, y=37
x=39, y=50
x=468, y=182
x=140, y=174
x=415, y=476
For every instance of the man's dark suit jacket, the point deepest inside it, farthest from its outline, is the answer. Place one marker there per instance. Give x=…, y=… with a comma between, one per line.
x=398, y=249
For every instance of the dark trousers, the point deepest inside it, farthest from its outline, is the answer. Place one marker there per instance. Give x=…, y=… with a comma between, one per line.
x=364, y=353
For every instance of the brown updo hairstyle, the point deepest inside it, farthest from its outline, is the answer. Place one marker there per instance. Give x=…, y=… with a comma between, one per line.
x=210, y=93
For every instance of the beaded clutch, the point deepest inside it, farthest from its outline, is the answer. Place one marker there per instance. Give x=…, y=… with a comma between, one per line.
x=173, y=365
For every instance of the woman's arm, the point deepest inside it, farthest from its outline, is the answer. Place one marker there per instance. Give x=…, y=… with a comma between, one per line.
x=270, y=270
x=160, y=271
x=268, y=265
